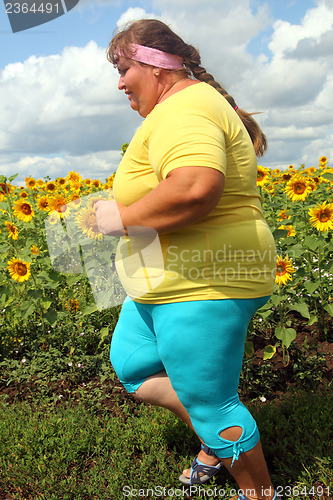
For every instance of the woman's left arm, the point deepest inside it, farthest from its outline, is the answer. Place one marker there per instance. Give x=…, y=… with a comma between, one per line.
x=185, y=196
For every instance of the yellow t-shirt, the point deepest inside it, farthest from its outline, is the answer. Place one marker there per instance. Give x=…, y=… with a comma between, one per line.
x=228, y=254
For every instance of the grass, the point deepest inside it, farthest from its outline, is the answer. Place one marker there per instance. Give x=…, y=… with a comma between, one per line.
x=96, y=445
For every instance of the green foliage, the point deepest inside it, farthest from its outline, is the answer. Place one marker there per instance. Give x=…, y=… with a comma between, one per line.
x=80, y=449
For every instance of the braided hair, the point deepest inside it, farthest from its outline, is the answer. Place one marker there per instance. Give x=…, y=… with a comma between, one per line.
x=157, y=35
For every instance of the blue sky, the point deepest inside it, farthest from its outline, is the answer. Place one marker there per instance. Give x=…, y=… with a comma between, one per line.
x=92, y=21
x=62, y=111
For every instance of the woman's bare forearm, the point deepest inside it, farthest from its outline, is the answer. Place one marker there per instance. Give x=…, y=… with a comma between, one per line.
x=177, y=201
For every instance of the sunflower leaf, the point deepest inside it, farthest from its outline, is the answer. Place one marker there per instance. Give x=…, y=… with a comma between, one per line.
x=51, y=317
x=269, y=352
x=302, y=308
x=310, y=286
x=280, y=233
x=311, y=242
x=249, y=349
x=328, y=176
x=12, y=177
x=286, y=335
x=329, y=308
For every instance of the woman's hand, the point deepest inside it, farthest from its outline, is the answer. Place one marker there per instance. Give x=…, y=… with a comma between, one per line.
x=108, y=217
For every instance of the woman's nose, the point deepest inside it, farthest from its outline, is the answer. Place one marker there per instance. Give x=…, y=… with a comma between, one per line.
x=121, y=84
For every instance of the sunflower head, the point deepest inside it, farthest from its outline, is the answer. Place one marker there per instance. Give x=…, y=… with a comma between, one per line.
x=54, y=217
x=12, y=230
x=34, y=250
x=59, y=203
x=283, y=215
x=263, y=174
x=86, y=221
x=31, y=183
x=290, y=229
x=284, y=268
x=5, y=189
x=19, y=270
x=43, y=203
x=61, y=181
x=286, y=176
x=298, y=188
x=321, y=216
x=23, y=211
x=73, y=177
x=75, y=200
x=51, y=187
x=96, y=183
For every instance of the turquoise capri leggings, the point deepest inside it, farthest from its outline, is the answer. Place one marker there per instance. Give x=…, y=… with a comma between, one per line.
x=200, y=345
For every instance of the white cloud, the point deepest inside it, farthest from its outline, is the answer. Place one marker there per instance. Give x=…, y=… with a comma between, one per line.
x=64, y=112
x=65, y=104
x=95, y=165
x=133, y=14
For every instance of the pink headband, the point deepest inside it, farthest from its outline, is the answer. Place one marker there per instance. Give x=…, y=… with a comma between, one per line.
x=155, y=57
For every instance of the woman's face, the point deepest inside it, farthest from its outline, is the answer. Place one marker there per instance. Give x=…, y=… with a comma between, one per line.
x=140, y=84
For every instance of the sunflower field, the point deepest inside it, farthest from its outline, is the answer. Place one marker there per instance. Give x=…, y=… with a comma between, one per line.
x=43, y=307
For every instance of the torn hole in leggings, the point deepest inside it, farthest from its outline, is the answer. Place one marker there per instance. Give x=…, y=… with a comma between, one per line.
x=236, y=444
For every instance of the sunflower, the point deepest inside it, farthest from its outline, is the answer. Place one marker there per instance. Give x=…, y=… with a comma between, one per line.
x=109, y=180
x=92, y=200
x=86, y=221
x=310, y=170
x=5, y=189
x=51, y=187
x=23, y=211
x=61, y=181
x=87, y=181
x=74, y=186
x=298, y=188
x=262, y=175
x=321, y=216
x=283, y=269
x=43, y=203
x=96, y=183
x=34, y=250
x=283, y=215
x=286, y=176
x=19, y=270
x=54, y=217
x=291, y=230
x=73, y=304
x=40, y=183
x=58, y=202
x=24, y=194
x=323, y=161
x=73, y=177
x=31, y=183
x=75, y=200
x=12, y=230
